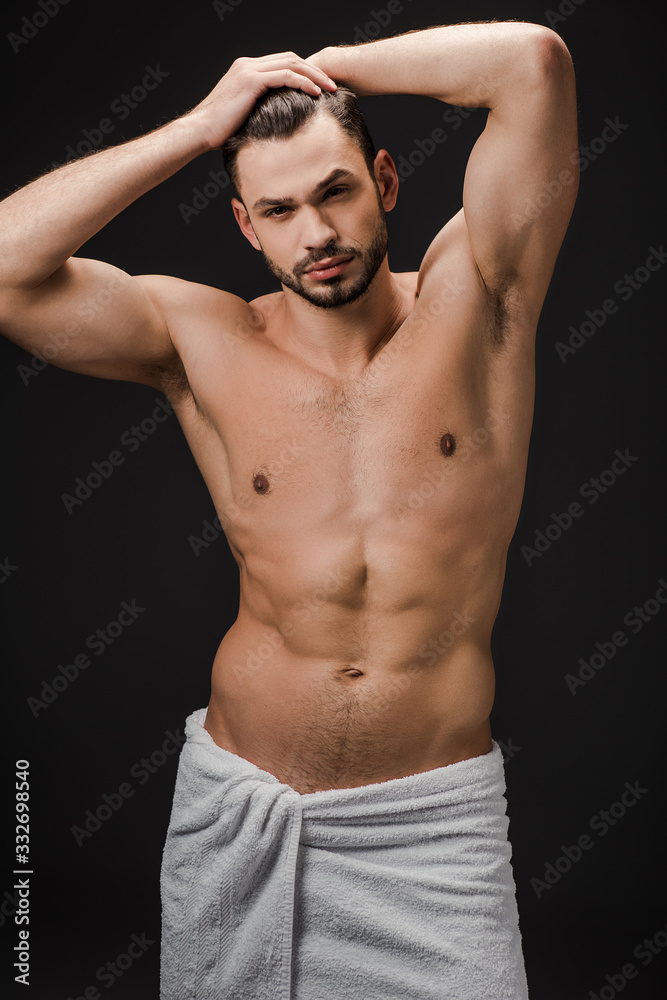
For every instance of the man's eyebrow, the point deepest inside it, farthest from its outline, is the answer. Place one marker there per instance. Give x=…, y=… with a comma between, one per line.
x=334, y=176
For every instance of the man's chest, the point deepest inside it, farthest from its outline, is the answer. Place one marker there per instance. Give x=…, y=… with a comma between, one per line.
x=288, y=440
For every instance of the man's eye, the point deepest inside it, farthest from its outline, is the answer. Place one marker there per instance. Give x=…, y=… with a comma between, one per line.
x=332, y=192
x=278, y=212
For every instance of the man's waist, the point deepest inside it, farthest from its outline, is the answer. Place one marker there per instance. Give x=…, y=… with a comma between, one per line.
x=362, y=635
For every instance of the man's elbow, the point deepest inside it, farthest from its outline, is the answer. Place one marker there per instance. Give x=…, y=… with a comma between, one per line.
x=549, y=61
x=539, y=67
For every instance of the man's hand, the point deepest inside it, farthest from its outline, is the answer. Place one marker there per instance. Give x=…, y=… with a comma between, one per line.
x=228, y=105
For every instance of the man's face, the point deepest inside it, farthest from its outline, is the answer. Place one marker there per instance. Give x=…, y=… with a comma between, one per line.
x=310, y=201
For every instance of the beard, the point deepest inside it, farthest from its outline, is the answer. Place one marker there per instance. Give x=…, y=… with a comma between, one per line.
x=331, y=293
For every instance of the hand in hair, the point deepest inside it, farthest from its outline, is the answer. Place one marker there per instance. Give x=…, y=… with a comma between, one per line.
x=228, y=105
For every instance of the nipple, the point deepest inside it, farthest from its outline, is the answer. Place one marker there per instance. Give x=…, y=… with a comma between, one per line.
x=260, y=483
x=447, y=445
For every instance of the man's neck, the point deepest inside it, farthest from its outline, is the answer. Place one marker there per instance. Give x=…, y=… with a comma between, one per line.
x=341, y=341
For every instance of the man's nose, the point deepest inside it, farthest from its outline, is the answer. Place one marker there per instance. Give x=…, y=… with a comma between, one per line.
x=317, y=231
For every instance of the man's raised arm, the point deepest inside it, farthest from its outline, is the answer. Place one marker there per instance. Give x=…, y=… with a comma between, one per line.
x=522, y=176
x=122, y=331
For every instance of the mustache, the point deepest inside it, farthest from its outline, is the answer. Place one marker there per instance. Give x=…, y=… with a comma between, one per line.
x=333, y=250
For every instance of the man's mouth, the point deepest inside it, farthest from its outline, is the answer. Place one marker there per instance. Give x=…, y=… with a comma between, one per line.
x=328, y=268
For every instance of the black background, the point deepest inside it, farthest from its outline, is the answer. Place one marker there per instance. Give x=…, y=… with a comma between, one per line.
x=568, y=756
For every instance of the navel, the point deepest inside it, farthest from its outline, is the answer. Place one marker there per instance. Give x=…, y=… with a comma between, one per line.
x=353, y=671
x=260, y=483
x=447, y=445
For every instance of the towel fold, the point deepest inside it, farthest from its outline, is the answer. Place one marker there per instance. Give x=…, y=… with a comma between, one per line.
x=400, y=890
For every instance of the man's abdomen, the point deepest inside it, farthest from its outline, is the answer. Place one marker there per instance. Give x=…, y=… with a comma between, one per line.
x=368, y=669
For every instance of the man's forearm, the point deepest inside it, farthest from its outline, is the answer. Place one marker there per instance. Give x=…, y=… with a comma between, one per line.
x=47, y=221
x=471, y=65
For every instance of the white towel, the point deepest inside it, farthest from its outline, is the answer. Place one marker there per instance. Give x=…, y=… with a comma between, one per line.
x=400, y=890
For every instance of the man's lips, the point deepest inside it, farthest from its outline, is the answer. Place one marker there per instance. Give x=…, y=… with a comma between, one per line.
x=329, y=267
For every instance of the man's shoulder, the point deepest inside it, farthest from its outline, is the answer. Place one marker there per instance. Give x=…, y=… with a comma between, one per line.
x=180, y=297
x=199, y=316
x=450, y=240
x=448, y=270
x=204, y=323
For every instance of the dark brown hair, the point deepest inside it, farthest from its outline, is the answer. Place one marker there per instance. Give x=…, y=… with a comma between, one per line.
x=281, y=112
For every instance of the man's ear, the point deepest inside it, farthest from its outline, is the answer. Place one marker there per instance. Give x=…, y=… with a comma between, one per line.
x=245, y=225
x=386, y=176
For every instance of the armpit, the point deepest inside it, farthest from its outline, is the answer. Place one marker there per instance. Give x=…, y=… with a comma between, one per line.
x=171, y=379
x=503, y=299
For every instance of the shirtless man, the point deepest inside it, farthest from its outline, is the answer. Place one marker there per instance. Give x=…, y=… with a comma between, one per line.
x=364, y=434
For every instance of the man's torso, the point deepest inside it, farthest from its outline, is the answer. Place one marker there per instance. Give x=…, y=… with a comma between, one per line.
x=370, y=518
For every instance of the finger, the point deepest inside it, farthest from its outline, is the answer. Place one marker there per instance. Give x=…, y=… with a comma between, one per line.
x=298, y=65
x=278, y=55
x=290, y=78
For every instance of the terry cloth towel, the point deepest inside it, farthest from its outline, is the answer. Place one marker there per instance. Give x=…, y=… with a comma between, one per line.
x=400, y=890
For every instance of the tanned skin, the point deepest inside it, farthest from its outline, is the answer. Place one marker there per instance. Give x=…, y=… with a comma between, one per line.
x=365, y=450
